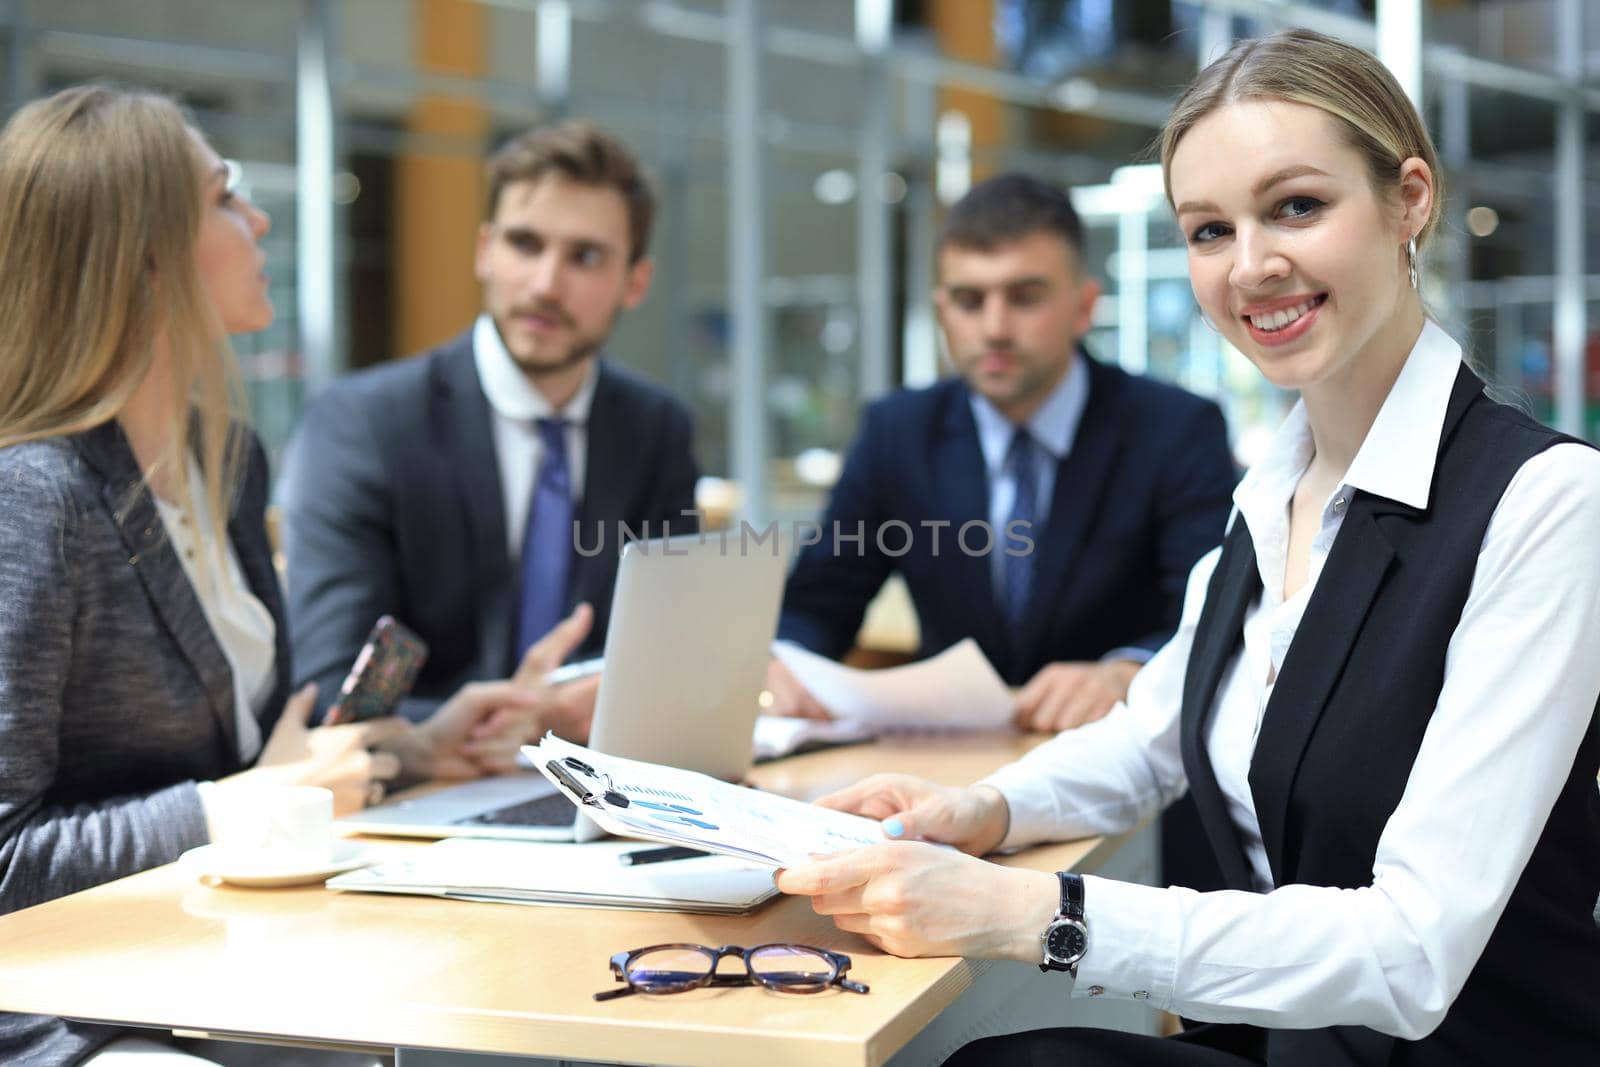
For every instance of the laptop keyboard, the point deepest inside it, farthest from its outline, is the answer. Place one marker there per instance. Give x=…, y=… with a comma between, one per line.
x=552, y=810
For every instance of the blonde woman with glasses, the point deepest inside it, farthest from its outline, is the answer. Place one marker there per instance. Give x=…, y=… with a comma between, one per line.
x=143, y=656
x=1383, y=690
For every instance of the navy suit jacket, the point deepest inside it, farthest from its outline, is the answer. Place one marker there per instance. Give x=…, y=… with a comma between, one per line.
x=392, y=504
x=1144, y=492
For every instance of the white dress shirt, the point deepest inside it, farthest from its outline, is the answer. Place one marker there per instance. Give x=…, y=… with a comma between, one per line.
x=516, y=406
x=1521, y=680
x=242, y=625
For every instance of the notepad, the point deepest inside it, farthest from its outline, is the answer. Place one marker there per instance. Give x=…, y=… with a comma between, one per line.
x=587, y=875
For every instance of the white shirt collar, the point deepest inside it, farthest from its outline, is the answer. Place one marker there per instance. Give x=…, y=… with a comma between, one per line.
x=1053, y=426
x=1396, y=459
x=508, y=390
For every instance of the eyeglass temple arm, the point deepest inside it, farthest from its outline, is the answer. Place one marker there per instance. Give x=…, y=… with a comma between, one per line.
x=613, y=994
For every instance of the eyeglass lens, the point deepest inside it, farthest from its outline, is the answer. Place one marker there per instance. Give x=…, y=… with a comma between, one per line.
x=667, y=970
x=787, y=965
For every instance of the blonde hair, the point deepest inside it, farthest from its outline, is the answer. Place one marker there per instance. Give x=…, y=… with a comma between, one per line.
x=100, y=211
x=1374, y=114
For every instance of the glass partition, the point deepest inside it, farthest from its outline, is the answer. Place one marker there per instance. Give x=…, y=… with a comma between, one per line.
x=1071, y=89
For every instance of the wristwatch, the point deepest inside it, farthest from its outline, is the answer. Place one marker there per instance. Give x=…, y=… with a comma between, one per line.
x=1066, y=939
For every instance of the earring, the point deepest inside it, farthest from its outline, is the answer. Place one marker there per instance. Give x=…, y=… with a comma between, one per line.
x=1411, y=262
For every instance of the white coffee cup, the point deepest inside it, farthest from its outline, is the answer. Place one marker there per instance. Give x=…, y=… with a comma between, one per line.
x=273, y=827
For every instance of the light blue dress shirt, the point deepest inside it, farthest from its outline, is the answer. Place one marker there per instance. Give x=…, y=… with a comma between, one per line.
x=1053, y=428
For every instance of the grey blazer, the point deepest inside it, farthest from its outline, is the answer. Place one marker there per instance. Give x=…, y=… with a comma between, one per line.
x=115, y=698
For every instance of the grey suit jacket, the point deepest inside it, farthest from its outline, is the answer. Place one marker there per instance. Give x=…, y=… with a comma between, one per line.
x=392, y=504
x=115, y=698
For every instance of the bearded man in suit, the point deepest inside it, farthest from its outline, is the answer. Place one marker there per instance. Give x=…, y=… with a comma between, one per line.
x=474, y=491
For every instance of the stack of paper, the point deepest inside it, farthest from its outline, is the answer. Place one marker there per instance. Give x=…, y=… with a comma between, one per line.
x=591, y=875
x=958, y=689
x=629, y=798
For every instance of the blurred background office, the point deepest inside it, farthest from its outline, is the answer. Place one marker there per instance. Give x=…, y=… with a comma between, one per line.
x=805, y=151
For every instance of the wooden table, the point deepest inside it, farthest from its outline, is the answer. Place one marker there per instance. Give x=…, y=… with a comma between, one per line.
x=434, y=978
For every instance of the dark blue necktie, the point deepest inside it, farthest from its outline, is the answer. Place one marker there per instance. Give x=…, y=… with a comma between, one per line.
x=547, y=542
x=1022, y=463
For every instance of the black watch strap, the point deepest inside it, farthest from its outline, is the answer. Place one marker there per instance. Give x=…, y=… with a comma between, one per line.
x=1066, y=939
x=1071, y=895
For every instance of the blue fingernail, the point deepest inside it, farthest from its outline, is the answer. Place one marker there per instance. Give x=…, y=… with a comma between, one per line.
x=893, y=827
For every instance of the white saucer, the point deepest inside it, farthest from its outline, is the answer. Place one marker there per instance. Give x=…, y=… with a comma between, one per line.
x=211, y=862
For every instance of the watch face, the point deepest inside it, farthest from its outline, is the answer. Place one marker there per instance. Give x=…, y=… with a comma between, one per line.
x=1067, y=942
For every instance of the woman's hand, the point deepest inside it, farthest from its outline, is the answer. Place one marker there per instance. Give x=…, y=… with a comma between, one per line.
x=334, y=757
x=974, y=819
x=910, y=898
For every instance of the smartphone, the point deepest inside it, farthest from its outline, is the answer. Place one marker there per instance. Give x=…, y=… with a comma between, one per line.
x=382, y=674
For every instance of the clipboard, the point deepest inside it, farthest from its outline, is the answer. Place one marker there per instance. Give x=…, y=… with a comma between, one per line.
x=649, y=802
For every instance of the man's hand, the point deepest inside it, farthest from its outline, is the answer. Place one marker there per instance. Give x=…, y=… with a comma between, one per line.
x=571, y=710
x=909, y=898
x=1063, y=696
x=481, y=729
x=788, y=696
x=551, y=650
x=477, y=731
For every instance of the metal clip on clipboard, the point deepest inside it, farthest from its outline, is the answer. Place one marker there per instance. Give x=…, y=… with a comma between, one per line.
x=560, y=769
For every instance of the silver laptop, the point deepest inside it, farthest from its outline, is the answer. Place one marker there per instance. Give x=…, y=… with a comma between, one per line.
x=692, y=622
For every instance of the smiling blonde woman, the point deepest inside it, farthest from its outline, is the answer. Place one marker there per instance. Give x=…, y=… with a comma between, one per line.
x=1383, y=691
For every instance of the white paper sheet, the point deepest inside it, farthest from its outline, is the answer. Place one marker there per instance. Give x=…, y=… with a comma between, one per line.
x=780, y=735
x=956, y=690
x=654, y=803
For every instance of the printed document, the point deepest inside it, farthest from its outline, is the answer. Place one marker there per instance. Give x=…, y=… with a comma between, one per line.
x=958, y=689
x=629, y=798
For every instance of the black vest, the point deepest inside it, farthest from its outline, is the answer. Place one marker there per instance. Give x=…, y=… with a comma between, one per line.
x=1342, y=730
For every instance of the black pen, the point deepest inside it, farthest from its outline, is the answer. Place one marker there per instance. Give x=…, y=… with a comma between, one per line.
x=659, y=855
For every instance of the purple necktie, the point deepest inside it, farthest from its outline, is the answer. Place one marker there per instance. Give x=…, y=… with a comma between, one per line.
x=547, y=542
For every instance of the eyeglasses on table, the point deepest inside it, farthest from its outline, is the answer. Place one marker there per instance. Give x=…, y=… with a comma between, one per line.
x=677, y=968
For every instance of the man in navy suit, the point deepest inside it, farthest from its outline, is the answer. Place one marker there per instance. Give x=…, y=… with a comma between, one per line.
x=1042, y=502
x=444, y=489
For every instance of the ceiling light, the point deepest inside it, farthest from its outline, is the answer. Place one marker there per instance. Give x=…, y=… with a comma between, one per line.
x=1482, y=221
